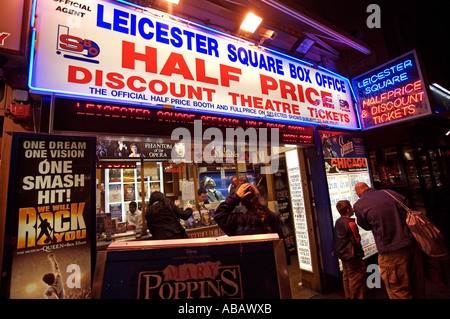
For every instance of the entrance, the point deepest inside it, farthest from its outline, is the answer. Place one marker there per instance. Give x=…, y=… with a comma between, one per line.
x=285, y=189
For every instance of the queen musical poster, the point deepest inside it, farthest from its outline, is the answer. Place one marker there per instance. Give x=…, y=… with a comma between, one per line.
x=49, y=224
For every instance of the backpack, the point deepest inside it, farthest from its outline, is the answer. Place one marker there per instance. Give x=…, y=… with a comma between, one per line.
x=427, y=235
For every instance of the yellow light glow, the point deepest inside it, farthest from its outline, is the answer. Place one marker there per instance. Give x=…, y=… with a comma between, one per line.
x=31, y=288
x=173, y=1
x=251, y=22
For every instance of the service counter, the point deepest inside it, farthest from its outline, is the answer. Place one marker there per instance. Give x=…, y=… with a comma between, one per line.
x=235, y=267
x=130, y=235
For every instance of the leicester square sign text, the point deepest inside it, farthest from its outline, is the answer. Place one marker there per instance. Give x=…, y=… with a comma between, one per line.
x=392, y=92
x=111, y=51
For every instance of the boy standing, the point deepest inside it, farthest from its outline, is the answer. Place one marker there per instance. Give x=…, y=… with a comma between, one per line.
x=348, y=248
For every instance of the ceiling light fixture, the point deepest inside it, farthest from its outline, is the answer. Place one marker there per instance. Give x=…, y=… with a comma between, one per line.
x=251, y=22
x=173, y=1
x=265, y=34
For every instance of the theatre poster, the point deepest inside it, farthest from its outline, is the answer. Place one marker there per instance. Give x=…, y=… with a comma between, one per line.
x=345, y=165
x=49, y=222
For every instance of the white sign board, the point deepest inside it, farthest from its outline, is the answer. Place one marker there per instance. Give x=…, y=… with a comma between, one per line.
x=298, y=211
x=110, y=51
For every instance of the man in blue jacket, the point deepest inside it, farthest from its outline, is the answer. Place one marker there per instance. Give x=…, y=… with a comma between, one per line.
x=398, y=257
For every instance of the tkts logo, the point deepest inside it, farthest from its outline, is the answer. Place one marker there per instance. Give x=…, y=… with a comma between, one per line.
x=80, y=49
x=191, y=281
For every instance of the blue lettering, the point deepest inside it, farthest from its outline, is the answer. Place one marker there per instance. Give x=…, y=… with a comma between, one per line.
x=271, y=64
x=141, y=27
x=292, y=71
x=201, y=44
x=120, y=21
x=318, y=79
x=133, y=25
x=242, y=54
x=343, y=87
x=262, y=62
x=127, y=22
x=307, y=78
x=213, y=46
x=297, y=72
x=254, y=62
x=408, y=63
x=100, y=22
x=232, y=52
x=279, y=64
x=392, y=71
x=190, y=35
x=162, y=33
x=176, y=39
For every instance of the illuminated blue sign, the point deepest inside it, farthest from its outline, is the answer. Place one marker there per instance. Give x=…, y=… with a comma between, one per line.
x=392, y=92
x=117, y=53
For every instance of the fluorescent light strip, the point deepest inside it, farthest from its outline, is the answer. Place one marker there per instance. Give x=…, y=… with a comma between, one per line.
x=440, y=88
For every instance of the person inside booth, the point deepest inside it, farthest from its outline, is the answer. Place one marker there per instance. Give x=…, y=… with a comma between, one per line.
x=133, y=216
x=163, y=216
x=202, y=197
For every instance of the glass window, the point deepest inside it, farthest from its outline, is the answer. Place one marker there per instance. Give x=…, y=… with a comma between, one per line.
x=413, y=176
x=124, y=185
x=387, y=167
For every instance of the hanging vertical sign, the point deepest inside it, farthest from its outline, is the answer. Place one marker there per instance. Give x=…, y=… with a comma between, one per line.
x=49, y=222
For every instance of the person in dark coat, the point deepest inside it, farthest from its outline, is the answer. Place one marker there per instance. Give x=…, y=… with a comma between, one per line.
x=257, y=219
x=400, y=261
x=348, y=249
x=162, y=217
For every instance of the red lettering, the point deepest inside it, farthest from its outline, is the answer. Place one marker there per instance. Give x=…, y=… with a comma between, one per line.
x=74, y=71
x=67, y=43
x=129, y=56
x=327, y=99
x=98, y=77
x=286, y=107
x=170, y=67
x=267, y=83
x=200, y=69
x=287, y=88
x=226, y=74
x=130, y=83
x=343, y=163
x=116, y=81
x=308, y=92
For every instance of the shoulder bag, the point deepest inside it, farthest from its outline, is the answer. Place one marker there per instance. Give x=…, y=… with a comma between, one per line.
x=426, y=234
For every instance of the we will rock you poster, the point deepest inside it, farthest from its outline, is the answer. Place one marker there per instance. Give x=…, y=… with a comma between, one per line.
x=49, y=219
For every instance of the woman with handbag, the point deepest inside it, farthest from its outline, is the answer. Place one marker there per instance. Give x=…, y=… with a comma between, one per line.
x=162, y=217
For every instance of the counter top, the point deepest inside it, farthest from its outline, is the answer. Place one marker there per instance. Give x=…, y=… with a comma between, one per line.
x=198, y=232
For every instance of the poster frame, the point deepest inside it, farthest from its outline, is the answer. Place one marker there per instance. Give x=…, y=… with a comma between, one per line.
x=10, y=241
x=322, y=160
